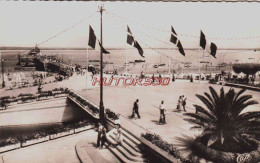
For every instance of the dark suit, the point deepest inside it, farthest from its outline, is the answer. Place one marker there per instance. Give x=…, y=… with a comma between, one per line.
x=136, y=110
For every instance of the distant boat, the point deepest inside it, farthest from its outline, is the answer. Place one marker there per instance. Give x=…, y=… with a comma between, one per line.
x=163, y=64
x=204, y=62
x=93, y=60
x=139, y=60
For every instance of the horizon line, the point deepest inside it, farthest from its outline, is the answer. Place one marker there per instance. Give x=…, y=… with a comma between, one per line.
x=111, y=48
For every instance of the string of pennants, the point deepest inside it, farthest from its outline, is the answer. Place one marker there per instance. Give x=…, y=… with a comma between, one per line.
x=181, y=34
x=168, y=43
x=154, y=49
x=173, y=39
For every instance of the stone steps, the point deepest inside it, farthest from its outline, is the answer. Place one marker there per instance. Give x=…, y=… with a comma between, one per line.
x=128, y=151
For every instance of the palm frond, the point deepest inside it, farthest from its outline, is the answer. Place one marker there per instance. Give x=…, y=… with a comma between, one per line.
x=238, y=109
x=199, y=117
x=206, y=102
x=209, y=97
x=196, y=122
x=196, y=127
x=222, y=93
x=239, y=93
x=214, y=93
x=242, y=99
x=204, y=111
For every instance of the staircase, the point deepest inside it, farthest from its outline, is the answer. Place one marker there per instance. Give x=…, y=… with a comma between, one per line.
x=129, y=151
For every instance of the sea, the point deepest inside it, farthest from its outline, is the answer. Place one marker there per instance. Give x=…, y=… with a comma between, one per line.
x=169, y=59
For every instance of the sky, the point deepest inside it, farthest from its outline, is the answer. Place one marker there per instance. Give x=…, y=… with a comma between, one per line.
x=27, y=23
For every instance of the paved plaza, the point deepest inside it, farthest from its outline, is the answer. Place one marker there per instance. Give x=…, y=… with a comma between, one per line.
x=120, y=99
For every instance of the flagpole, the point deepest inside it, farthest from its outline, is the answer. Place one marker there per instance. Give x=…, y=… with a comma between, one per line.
x=126, y=58
x=199, y=69
x=169, y=62
x=101, y=106
x=87, y=70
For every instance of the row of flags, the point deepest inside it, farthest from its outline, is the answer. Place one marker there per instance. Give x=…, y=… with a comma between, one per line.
x=174, y=39
x=203, y=44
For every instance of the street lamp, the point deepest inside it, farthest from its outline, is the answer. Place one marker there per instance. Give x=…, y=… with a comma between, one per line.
x=101, y=105
x=3, y=80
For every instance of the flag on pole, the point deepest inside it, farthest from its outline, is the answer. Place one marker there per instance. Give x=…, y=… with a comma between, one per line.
x=92, y=38
x=138, y=47
x=130, y=40
x=173, y=36
x=213, y=49
x=180, y=48
x=103, y=49
x=202, y=40
x=128, y=30
x=174, y=39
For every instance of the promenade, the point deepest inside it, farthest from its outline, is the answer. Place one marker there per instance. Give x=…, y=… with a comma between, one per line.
x=120, y=99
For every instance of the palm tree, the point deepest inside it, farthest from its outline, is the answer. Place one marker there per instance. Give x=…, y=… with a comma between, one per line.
x=224, y=126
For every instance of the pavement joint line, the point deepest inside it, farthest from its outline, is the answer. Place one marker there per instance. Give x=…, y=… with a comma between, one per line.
x=150, y=114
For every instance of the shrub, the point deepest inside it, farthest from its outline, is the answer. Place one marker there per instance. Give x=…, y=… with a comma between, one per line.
x=8, y=141
x=167, y=147
x=110, y=114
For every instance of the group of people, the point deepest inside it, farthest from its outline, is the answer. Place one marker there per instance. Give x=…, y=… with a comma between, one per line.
x=162, y=120
x=102, y=136
x=181, y=103
x=102, y=133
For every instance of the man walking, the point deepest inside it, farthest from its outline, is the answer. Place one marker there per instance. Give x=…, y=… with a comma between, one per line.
x=162, y=113
x=136, y=109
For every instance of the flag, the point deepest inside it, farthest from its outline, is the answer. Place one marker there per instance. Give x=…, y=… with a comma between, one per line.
x=202, y=40
x=92, y=38
x=180, y=48
x=128, y=30
x=103, y=49
x=173, y=36
x=138, y=47
x=213, y=49
x=173, y=31
x=130, y=38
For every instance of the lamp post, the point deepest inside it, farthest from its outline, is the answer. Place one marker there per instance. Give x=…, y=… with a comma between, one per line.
x=3, y=80
x=101, y=105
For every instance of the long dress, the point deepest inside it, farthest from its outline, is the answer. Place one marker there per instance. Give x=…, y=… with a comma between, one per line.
x=119, y=138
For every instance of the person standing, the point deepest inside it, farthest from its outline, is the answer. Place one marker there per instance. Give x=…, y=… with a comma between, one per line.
x=179, y=104
x=119, y=138
x=191, y=78
x=162, y=113
x=153, y=78
x=136, y=109
x=173, y=78
x=184, y=104
x=99, y=134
